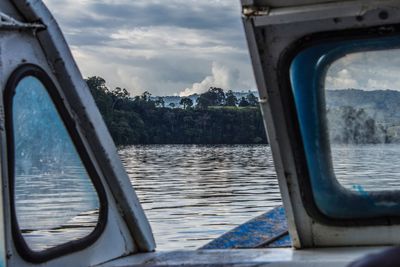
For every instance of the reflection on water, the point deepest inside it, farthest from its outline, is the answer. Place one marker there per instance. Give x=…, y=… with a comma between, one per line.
x=372, y=167
x=55, y=207
x=55, y=201
x=192, y=194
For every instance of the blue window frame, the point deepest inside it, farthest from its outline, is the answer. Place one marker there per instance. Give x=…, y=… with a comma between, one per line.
x=307, y=74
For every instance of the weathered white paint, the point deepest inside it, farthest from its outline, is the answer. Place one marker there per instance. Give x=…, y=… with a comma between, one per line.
x=89, y=118
x=282, y=25
x=16, y=48
x=127, y=230
x=8, y=22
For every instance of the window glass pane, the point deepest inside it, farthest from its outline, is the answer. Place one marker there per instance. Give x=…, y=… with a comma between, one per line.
x=55, y=199
x=363, y=112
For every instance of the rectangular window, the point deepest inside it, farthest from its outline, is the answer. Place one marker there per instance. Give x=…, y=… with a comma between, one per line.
x=346, y=94
x=362, y=93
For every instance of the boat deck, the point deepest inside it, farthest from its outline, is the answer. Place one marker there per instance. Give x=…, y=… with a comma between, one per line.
x=328, y=257
x=268, y=230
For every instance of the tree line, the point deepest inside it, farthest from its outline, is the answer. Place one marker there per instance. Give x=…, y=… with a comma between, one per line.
x=216, y=117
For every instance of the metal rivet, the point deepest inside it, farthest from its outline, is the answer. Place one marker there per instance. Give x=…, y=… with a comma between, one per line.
x=383, y=15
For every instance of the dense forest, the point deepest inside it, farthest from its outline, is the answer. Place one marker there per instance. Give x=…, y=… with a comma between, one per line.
x=363, y=117
x=348, y=125
x=216, y=117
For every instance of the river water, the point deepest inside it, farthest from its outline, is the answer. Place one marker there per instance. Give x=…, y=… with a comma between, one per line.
x=192, y=194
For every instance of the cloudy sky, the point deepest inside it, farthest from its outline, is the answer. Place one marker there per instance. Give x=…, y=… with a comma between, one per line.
x=163, y=46
x=374, y=70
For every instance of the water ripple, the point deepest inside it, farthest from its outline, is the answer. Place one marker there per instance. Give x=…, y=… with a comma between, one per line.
x=192, y=194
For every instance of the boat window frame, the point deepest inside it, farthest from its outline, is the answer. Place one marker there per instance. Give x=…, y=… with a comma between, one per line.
x=31, y=70
x=293, y=125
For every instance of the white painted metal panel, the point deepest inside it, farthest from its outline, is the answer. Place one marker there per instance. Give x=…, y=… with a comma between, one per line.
x=116, y=240
x=127, y=230
x=64, y=68
x=270, y=32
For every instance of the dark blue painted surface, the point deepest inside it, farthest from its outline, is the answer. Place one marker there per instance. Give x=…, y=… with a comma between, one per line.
x=256, y=232
x=307, y=78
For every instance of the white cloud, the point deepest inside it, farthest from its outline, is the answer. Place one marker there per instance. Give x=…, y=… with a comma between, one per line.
x=373, y=70
x=221, y=76
x=343, y=79
x=155, y=45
